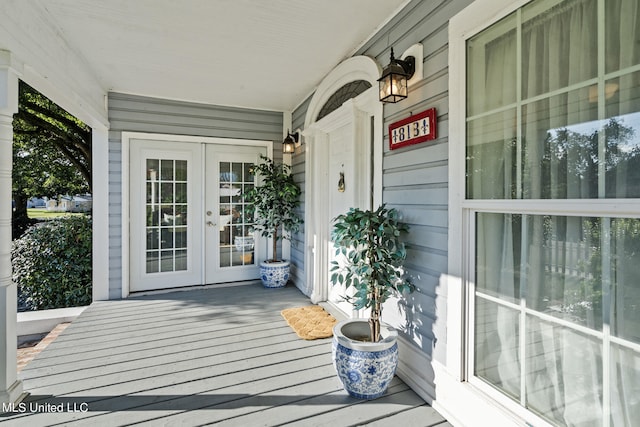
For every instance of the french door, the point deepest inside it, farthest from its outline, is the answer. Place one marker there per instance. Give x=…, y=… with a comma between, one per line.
x=188, y=221
x=232, y=249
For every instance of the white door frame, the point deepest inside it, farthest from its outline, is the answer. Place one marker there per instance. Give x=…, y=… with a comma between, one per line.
x=359, y=112
x=126, y=206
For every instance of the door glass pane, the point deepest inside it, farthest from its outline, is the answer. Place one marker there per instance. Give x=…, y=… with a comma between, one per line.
x=166, y=261
x=180, y=238
x=181, y=171
x=181, y=193
x=153, y=265
x=166, y=170
x=248, y=172
x=166, y=212
x=181, y=260
x=236, y=235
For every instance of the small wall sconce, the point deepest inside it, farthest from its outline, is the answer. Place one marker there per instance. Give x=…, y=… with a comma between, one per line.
x=289, y=143
x=393, y=83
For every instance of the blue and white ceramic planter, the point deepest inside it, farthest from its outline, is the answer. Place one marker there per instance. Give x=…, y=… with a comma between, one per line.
x=274, y=274
x=365, y=368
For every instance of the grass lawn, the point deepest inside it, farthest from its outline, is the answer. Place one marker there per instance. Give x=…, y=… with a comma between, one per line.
x=45, y=214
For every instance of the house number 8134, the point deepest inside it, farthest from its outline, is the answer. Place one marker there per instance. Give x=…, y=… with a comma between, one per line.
x=413, y=130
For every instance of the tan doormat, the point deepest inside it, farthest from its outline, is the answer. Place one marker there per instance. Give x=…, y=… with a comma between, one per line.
x=310, y=322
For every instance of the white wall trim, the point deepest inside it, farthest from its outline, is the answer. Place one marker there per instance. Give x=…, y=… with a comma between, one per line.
x=415, y=369
x=126, y=145
x=43, y=321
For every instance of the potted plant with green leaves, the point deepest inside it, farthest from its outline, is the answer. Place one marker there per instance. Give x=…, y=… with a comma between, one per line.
x=369, y=264
x=273, y=202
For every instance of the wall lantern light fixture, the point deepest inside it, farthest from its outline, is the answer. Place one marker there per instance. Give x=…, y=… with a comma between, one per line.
x=289, y=143
x=393, y=83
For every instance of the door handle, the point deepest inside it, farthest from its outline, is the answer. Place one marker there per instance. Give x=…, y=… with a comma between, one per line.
x=210, y=223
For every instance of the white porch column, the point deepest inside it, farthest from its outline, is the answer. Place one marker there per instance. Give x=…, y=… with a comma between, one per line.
x=10, y=387
x=100, y=189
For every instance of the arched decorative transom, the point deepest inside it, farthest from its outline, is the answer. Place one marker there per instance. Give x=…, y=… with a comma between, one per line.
x=346, y=92
x=358, y=68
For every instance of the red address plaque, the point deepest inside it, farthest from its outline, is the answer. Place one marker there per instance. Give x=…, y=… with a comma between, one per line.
x=418, y=128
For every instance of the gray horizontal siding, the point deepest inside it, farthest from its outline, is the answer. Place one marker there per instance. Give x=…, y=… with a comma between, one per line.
x=415, y=178
x=298, y=249
x=298, y=116
x=132, y=113
x=143, y=114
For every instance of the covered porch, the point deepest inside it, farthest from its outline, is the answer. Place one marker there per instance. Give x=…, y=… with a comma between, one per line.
x=222, y=354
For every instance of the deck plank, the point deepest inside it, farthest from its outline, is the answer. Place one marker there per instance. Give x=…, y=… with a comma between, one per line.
x=220, y=355
x=423, y=415
x=392, y=402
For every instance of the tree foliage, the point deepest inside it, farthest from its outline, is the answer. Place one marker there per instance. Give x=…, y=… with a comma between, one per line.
x=274, y=201
x=52, y=263
x=51, y=153
x=571, y=163
x=369, y=258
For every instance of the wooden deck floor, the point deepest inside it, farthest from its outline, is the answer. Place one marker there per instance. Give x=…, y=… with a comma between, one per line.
x=221, y=355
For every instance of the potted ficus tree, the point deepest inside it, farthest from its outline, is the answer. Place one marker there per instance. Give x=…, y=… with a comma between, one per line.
x=273, y=203
x=369, y=264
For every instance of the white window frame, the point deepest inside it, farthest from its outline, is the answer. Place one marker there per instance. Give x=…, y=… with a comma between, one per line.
x=478, y=16
x=473, y=19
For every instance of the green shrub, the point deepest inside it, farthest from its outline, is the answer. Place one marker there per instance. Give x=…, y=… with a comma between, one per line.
x=52, y=264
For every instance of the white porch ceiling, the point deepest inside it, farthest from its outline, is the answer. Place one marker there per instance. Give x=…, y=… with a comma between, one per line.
x=264, y=54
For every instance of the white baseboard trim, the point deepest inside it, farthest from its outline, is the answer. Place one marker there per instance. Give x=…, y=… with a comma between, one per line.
x=457, y=401
x=13, y=395
x=414, y=368
x=464, y=405
x=43, y=321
